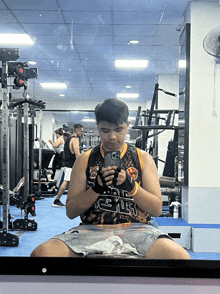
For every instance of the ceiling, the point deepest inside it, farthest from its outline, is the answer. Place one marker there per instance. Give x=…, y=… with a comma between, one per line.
x=78, y=41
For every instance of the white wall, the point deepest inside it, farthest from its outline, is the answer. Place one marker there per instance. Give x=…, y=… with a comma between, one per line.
x=48, y=126
x=201, y=198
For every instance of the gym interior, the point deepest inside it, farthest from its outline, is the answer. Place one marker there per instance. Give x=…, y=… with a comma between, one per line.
x=73, y=63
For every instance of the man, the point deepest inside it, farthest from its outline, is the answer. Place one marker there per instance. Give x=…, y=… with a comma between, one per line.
x=115, y=203
x=71, y=153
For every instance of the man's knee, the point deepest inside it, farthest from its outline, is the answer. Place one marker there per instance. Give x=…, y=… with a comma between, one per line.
x=39, y=251
x=53, y=248
x=48, y=248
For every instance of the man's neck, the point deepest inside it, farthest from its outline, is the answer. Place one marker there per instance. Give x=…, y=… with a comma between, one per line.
x=120, y=149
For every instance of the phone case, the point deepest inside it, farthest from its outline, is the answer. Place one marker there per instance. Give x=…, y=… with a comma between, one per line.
x=112, y=158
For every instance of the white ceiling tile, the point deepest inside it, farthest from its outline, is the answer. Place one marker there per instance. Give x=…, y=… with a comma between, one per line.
x=135, y=30
x=32, y=4
x=137, y=17
x=50, y=29
x=139, y=5
x=6, y=16
x=11, y=28
x=85, y=5
x=87, y=18
x=38, y=17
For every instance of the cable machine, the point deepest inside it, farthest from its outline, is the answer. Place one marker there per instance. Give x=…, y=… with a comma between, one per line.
x=20, y=74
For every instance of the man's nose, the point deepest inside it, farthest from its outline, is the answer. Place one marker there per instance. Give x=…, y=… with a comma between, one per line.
x=112, y=135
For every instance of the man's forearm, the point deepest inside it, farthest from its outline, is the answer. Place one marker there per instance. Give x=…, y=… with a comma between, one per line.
x=148, y=202
x=77, y=155
x=77, y=205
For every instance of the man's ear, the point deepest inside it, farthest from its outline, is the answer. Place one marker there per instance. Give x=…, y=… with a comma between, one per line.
x=129, y=122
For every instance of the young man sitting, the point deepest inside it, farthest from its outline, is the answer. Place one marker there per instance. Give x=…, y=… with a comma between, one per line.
x=115, y=204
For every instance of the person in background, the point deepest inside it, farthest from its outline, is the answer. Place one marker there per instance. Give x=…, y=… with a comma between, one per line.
x=115, y=203
x=71, y=153
x=58, y=148
x=66, y=135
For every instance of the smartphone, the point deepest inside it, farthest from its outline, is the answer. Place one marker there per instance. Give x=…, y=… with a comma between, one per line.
x=112, y=158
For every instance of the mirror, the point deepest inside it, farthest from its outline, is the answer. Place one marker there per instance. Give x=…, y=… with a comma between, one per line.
x=76, y=43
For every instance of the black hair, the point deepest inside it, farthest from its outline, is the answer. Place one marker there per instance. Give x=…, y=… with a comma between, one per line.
x=66, y=134
x=77, y=127
x=112, y=110
x=59, y=131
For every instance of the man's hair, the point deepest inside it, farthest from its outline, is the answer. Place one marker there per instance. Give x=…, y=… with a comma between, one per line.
x=112, y=110
x=77, y=127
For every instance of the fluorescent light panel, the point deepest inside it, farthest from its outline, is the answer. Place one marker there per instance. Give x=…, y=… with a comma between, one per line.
x=134, y=41
x=53, y=85
x=127, y=95
x=32, y=62
x=16, y=39
x=182, y=63
x=125, y=63
x=89, y=119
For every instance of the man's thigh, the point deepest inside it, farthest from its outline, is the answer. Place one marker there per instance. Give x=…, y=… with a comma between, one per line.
x=164, y=248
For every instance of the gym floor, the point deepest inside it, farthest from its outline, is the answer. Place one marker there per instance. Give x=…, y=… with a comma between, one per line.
x=52, y=221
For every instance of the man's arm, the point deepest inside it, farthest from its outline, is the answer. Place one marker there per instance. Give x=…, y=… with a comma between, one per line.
x=79, y=200
x=74, y=146
x=148, y=197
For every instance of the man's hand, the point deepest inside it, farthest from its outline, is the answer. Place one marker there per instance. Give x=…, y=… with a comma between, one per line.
x=116, y=177
x=112, y=175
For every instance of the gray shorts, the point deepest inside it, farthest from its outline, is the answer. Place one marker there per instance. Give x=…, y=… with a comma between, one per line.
x=130, y=239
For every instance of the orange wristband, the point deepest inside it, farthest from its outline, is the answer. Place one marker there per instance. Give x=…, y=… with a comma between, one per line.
x=136, y=189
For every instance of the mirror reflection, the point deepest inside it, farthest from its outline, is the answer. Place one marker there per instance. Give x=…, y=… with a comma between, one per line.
x=79, y=55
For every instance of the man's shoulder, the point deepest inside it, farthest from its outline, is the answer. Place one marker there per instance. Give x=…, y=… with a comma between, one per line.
x=74, y=139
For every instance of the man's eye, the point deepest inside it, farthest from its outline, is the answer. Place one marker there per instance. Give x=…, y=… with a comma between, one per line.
x=118, y=130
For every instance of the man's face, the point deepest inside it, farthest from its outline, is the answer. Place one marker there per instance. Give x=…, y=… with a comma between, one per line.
x=112, y=135
x=80, y=132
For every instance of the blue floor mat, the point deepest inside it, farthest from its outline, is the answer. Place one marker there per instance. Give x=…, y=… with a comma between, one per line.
x=52, y=221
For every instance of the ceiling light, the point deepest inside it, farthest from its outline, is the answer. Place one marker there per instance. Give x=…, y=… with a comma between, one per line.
x=62, y=95
x=131, y=63
x=89, y=119
x=53, y=85
x=127, y=95
x=128, y=87
x=32, y=62
x=182, y=63
x=134, y=42
x=15, y=39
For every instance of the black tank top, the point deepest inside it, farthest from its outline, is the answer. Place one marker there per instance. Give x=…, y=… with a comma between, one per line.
x=115, y=206
x=68, y=157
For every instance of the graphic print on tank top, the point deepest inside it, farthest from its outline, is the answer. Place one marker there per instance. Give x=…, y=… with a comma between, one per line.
x=114, y=205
